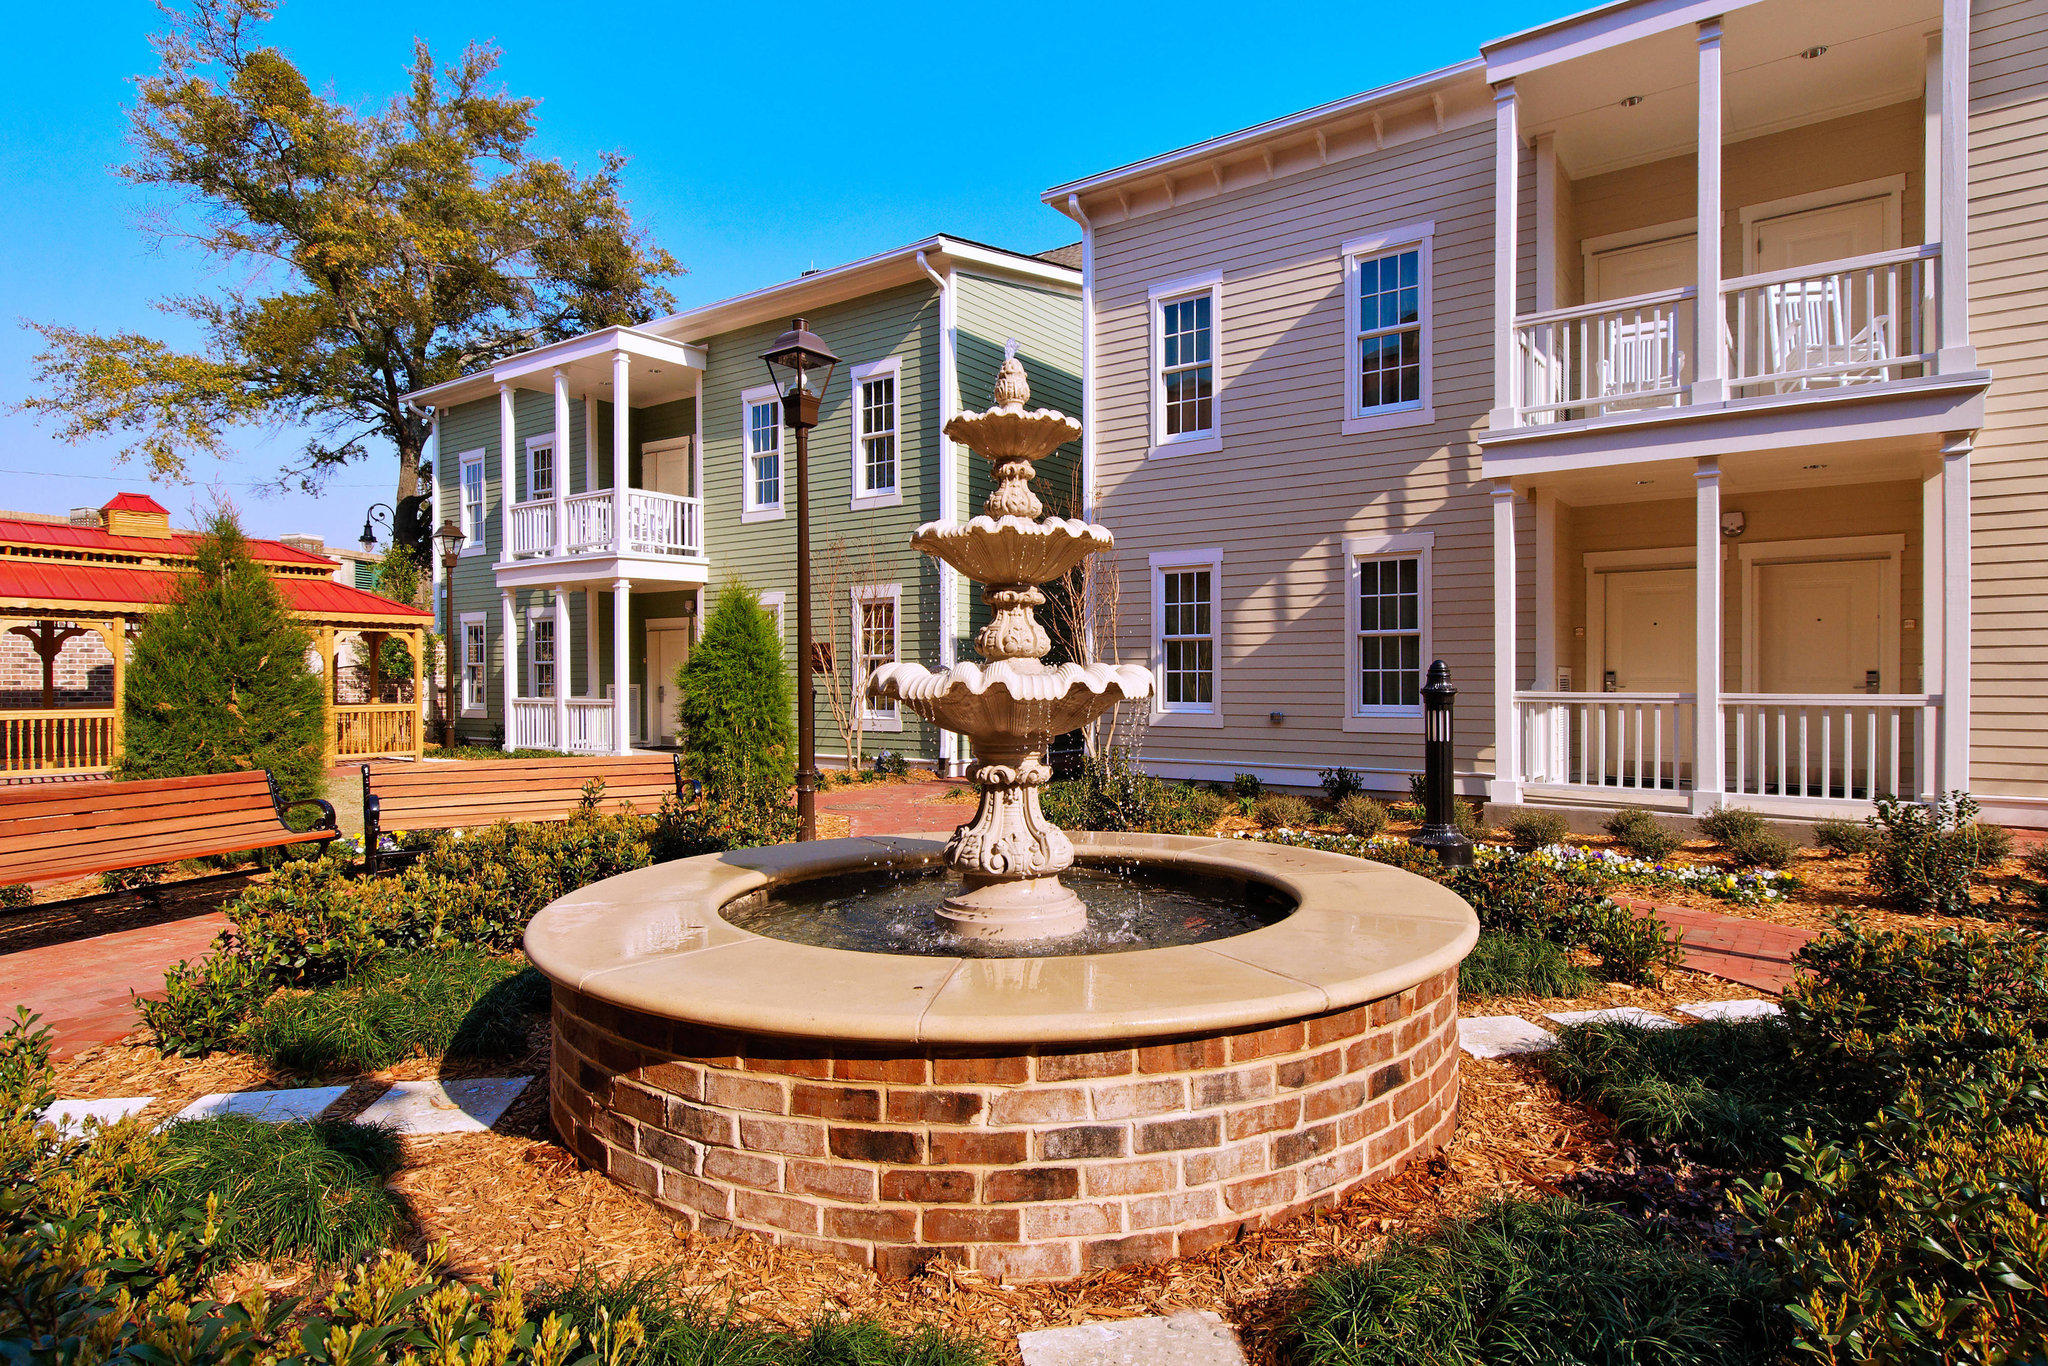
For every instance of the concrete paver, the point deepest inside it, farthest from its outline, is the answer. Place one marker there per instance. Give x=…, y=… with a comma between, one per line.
x=1501, y=1036
x=277, y=1107
x=468, y=1106
x=1628, y=1015
x=1191, y=1338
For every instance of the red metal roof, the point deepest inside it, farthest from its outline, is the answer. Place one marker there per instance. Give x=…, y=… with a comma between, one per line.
x=133, y=502
x=58, y=581
x=19, y=532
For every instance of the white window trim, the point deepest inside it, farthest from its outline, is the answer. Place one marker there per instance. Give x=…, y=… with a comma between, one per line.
x=482, y=621
x=1164, y=561
x=772, y=602
x=863, y=497
x=873, y=717
x=1421, y=545
x=750, y=511
x=472, y=536
x=534, y=445
x=534, y=616
x=1359, y=420
x=1170, y=292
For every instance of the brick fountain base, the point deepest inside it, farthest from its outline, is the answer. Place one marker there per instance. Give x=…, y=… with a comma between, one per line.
x=899, y=1124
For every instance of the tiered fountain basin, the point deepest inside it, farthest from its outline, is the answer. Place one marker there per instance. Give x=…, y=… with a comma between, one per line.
x=1031, y=1117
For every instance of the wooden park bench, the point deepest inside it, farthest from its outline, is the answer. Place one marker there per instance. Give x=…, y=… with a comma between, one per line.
x=56, y=830
x=456, y=794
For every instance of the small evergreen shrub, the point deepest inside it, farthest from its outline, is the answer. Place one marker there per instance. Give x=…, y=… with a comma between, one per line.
x=1994, y=844
x=1339, y=783
x=1469, y=818
x=1533, y=830
x=738, y=707
x=1641, y=835
x=1362, y=816
x=1279, y=811
x=206, y=1005
x=1726, y=823
x=1113, y=795
x=1519, y=965
x=1924, y=859
x=15, y=896
x=455, y=1002
x=1407, y=857
x=889, y=763
x=145, y=879
x=1246, y=785
x=1418, y=789
x=1632, y=948
x=743, y=816
x=1760, y=848
x=1843, y=838
x=1406, y=811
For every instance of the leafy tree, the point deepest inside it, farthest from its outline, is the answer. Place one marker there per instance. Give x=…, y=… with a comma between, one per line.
x=395, y=249
x=737, y=709
x=219, y=682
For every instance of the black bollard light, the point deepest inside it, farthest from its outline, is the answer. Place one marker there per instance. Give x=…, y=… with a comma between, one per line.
x=1439, y=833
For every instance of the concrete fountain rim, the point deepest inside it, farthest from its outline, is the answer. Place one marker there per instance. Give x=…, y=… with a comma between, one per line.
x=654, y=941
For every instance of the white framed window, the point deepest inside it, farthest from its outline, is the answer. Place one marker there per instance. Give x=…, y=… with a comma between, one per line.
x=473, y=661
x=1187, y=349
x=1187, y=637
x=470, y=499
x=1387, y=629
x=877, y=419
x=540, y=652
x=1388, y=330
x=760, y=454
x=772, y=604
x=540, y=468
x=876, y=618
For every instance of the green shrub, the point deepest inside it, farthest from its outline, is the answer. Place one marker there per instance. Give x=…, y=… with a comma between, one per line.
x=888, y=763
x=1994, y=844
x=734, y=817
x=1760, y=848
x=1726, y=823
x=1924, y=859
x=1362, y=816
x=1535, y=1283
x=1469, y=818
x=1246, y=785
x=283, y=1189
x=1418, y=789
x=737, y=707
x=1632, y=948
x=1111, y=794
x=1405, y=856
x=1339, y=783
x=205, y=1005
x=1532, y=830
x=144, y=879
x=1405, y=811
x=1521, y=895
x=1841, y=837
x=461, y=1003
x=1279, y=811
x=1641, y=835
x=217, y=681
x=1520, y=965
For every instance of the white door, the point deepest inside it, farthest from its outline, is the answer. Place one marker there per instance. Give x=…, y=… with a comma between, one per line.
x=1811, y=236
x=1820, y=626
x=1647, y=642
x=1640, y=352
x=667, y=471
x=1644, y=268
x=666, y=652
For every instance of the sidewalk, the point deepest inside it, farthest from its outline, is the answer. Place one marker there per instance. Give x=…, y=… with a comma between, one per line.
x=897, y=808
x=1755, y=953
x=81, y=988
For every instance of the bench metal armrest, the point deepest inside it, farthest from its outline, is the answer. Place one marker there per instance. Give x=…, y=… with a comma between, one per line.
x=330, y=822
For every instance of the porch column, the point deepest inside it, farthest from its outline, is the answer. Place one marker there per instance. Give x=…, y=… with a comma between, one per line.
x=1933, y=633
x=1507, y=736
x=561, y=606
x=622, y=709
x=1709, y=380
x=1506, y=213
x=1953, y=764
x=1953, y=308
x=507, y=434
x=508, y=634
x=561, y=463
x=1708, y=752
x=621, y=463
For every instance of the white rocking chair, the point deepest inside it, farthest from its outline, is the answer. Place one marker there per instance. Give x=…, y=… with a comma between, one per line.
x=1640, y=363
x=1811, y=342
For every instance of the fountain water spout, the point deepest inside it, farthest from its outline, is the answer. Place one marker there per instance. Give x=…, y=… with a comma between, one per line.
x=1010, y=856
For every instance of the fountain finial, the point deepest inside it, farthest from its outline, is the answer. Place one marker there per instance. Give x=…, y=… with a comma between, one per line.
x=1012, y=391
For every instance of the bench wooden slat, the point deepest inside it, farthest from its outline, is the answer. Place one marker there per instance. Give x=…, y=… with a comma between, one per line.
x=461, y=795
x=60, y=798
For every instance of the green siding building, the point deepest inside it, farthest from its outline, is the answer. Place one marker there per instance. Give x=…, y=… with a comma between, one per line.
x=610, y=484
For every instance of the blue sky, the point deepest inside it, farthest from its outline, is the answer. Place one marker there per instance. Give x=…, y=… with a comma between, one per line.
x=1047, y=93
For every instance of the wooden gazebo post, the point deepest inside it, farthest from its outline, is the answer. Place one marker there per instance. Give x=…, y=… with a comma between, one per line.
x=415, y=642
x=114, y=635
x=329, y=702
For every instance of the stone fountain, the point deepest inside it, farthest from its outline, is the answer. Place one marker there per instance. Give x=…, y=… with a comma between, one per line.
x=1010, y=856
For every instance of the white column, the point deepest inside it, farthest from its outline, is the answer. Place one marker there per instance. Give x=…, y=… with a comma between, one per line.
x=1545, y=147
x=1709, y=379
x=1709, y=755
x=1507, y=748
x=1545, y=504
x=1933, y=629
x=590, y=443
x=1506, y=213
x=1954, y=762
x=622, y=412
x=507, y=434
x=591, y=686
x=561, y=482
x=560, y=598
x=622, y=710
x=508, y=647
x=1953, y=310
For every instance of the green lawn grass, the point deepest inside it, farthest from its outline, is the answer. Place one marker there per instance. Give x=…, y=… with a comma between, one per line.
x=1520, y=965
x=460, y=1003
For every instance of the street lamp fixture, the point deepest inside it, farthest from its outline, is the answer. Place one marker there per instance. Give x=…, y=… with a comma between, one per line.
x=451, y=538
x=801, y=366
x=378, y=512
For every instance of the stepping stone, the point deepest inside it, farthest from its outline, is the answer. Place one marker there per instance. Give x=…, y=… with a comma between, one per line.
x=1628, y=1015
x=276, y=1107
x=1732, y=1010
x=469, y=1106
x=1501, y=1036
x=70, y=1115
x=1195, y=1338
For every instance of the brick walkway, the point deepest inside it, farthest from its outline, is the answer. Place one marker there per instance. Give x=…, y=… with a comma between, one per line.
x=896, y=808
x=1752, y=952
x=81, y=989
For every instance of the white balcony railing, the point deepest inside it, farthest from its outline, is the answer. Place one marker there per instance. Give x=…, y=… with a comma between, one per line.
x=1856, y=321
x=532, y=725
x=590, y=726
x=1849, y=747
x=656, y=524
x=1619, y=742
x=1616, y=356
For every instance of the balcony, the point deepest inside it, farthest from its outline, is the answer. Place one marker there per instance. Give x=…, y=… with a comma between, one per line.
x=657, y=524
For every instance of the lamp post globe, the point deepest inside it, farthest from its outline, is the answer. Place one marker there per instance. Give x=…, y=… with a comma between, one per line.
x=801, y=366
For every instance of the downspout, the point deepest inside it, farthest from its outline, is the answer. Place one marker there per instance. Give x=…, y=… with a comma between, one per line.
x=949, y=492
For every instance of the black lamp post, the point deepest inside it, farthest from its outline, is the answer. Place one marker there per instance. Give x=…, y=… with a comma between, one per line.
x=801, y=365
x=450, y=537
x=1440, y=831
x=378, y=512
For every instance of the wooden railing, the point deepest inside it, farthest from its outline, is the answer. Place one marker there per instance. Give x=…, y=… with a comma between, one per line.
x=1618, y=742
x=1847, y=747
x=590, y=522
x=1613, y=356
x=52, y=743
x=532, y=724
x=1855, y=321
x=381, y=728
x=590, y=726
x=663, y=523
x=533, y=528
x=656, y=524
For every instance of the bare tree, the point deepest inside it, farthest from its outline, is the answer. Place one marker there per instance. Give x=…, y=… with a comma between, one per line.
x=1082, y=611
x=839, y=573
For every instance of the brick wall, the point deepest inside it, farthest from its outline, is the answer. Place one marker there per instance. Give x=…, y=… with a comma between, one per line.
x=84, y=674
x=1032, y=1163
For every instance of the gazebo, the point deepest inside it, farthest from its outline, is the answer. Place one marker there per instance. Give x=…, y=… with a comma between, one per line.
x=61, y=582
